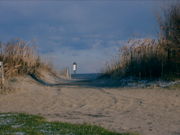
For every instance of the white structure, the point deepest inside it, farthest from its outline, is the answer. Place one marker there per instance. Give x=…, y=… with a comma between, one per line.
x=74, y=67
x=68, y=75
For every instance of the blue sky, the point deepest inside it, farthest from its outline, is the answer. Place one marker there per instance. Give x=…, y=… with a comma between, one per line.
x=87, y=32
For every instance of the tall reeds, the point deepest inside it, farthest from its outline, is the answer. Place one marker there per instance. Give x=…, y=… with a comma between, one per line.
x=19, y=58
x=150, y=58
x=140, y=58
x=169, y=22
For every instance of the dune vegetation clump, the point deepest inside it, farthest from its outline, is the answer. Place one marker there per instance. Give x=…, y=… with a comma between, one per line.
x=149, y=58
x=20, y=57
x=140, y=58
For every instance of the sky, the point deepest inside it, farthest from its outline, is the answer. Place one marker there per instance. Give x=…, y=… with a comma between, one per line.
x=87, y=32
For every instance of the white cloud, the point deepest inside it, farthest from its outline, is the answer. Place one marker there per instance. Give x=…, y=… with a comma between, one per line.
x=89, y=33
x=89, y=60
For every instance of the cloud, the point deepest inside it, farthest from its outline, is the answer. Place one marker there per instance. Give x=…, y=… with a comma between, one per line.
x=89, y=32
x=88, y=60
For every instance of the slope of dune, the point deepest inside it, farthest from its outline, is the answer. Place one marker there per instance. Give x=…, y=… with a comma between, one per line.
x=146, y=111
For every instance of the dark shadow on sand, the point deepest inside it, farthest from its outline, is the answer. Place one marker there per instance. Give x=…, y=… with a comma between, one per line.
x=101, y=83
x=62, y=82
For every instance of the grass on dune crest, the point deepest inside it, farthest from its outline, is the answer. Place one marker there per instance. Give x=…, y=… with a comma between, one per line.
x=24, y=124
x=148, y=58
x=20, y=57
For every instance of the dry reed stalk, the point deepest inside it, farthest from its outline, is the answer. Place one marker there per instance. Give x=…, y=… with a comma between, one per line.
x=20, y=58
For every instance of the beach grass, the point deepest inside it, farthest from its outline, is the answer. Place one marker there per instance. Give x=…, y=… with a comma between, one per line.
x=25, y=124
x=152, y=58
x=20, y=57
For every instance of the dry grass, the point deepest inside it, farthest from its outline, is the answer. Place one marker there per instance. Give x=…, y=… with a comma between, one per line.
x=150, y=58
x=20, y=58
x=145, y=58
x=135, y=59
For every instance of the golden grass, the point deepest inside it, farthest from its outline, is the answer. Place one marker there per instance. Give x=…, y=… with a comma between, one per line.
x=20, y=58
x=152, y=58
x=145, y=58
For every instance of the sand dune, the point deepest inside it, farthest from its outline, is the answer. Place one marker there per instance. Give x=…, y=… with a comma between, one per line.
x=147, y=111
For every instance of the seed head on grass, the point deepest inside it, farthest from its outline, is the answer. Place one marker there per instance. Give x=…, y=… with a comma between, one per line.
x=20, y=57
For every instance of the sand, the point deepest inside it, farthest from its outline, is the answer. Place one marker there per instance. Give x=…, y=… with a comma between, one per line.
x=146, y=111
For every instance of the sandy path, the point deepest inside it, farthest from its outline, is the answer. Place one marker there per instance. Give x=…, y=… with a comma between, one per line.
x=147, y=111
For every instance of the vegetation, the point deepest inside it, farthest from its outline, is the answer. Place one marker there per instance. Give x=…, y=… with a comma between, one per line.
x=18, y=124
x=20, y=57
x=169, y=22
x=150, y=58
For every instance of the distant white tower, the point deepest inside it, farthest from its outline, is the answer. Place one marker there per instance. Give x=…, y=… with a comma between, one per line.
x=74, y=67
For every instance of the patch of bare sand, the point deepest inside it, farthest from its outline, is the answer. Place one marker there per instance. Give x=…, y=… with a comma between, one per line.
x=147, y=111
